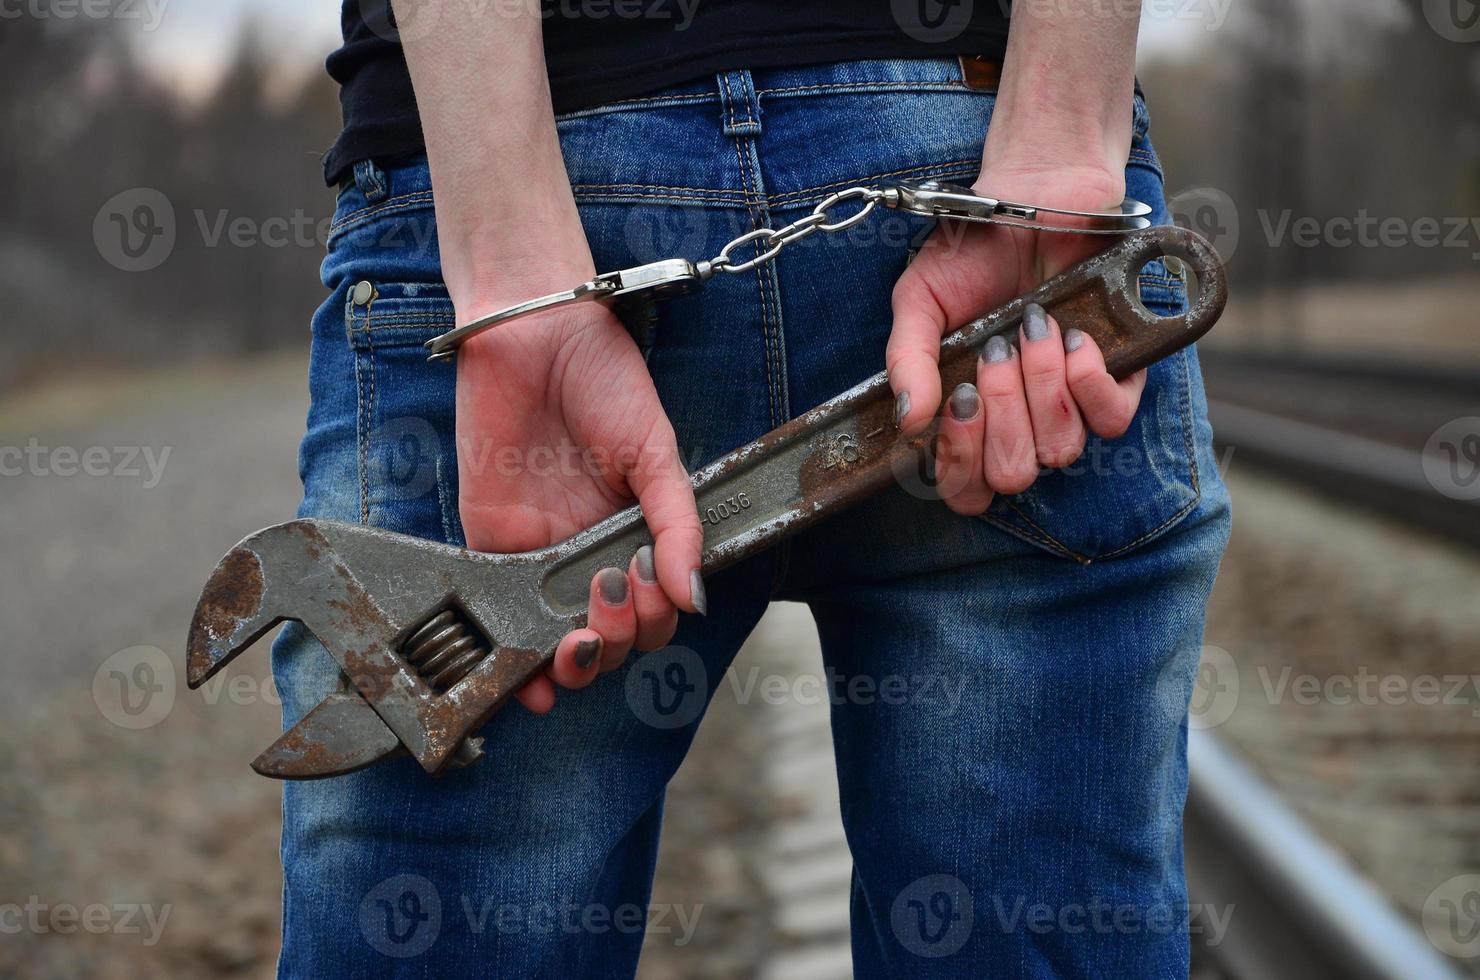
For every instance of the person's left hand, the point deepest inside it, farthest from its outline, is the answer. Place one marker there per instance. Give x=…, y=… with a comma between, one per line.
x=1032, y=403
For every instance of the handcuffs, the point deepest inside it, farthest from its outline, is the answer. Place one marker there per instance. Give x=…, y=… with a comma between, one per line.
x=632, y=292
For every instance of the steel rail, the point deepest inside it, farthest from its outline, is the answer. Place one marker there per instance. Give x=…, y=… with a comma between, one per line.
x=1299, y=909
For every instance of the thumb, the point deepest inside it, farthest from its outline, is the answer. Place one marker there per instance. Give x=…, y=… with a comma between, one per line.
x=912, y=356
x=666, y=495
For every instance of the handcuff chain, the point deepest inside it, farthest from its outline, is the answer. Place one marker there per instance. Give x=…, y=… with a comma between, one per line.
x=775, y=239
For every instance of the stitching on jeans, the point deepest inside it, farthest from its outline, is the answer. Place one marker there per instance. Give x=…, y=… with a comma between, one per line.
x=618, y=197
x=947, y=86
x=659, y=100
x=779, y=199
x=400, y=202
x=729, y=101
x=1037, y=533
x=745, y=180
x=750, y=119
x=654, y=187
x=362, y=433
x=1183, y=396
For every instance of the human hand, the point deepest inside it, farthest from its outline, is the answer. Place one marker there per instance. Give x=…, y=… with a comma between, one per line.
x=1032, y=404
x=558, y=427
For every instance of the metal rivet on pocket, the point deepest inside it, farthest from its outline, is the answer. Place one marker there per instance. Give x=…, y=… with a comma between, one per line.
x=364, y=291
x=1176, y=267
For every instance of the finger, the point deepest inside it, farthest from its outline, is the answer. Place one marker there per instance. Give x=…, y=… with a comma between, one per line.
x=958, y=466
x=657, y=617
x=538, y=695
x=912, y=355
x=667, y=498
x=610, y=613
x=577, y=660
x=1009, y=457
x=1108, y=406
x=1058, y=431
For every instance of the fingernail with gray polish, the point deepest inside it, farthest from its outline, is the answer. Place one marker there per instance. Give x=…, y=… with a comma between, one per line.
x=901, y=407
x=696, y=593
x=965, y=402
x=612, y=584
x=646, y=570
x=586, y=652
x=998, y=350
x=1035, y=322
x=1072, y=339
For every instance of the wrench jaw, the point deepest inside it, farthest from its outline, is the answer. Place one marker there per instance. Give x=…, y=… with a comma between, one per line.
x=427, y=636
x=231, y=614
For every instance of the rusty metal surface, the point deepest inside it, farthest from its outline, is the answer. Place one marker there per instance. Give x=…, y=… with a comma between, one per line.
x=364, y=592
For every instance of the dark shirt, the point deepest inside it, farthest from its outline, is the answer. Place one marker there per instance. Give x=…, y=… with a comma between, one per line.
x=604, y=50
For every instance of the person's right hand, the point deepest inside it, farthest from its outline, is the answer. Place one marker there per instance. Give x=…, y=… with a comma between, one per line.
x=558, y=427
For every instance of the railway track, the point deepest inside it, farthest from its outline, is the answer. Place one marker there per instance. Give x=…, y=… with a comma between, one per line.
x=1369, y=433
x=1295, y=908
x=1372, y=434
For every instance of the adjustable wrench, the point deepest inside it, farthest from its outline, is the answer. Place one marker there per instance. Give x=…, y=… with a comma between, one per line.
x=432, y=639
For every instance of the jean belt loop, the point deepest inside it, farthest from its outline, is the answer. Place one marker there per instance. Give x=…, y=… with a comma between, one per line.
x=370, y=179
x=739, y=103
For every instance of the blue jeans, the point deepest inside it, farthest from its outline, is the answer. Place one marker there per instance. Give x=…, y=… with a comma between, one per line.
x=1013, y=810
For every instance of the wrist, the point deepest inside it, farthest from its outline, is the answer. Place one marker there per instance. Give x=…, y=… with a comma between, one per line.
x=1048, y=138
x=481, y=281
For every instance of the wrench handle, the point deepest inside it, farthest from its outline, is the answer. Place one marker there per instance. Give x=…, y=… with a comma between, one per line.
x=849, y=447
